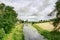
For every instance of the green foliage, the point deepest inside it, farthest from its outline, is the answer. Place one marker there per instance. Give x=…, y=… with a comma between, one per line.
x=21, y=21
x=57, y=20
x=55, y=35
x=7, y=17
x=58, y=8
x=2, y=6
x=58, y=5
x=2, y=33
x=18, y=34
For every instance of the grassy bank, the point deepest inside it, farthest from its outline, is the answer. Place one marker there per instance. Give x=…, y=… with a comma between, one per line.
x=47, y=34
x=16, y=33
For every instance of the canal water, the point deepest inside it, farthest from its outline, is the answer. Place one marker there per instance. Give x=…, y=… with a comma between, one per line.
x=30, y=33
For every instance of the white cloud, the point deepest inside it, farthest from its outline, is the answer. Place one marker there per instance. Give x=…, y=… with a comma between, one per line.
x=41, y=8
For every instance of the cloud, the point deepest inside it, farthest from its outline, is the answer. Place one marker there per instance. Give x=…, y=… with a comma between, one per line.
x=32, y=9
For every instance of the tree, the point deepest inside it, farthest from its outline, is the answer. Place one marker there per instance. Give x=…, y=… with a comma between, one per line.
x=57, y=20
x=7, y=17
x=2, y=5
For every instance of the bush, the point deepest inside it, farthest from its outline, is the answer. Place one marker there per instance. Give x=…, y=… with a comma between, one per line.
x=7, y=17
x=2, y=34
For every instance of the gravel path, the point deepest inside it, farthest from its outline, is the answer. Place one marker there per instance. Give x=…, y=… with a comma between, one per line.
x=30, y=33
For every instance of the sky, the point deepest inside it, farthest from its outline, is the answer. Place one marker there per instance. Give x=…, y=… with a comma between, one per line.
x=33, y=10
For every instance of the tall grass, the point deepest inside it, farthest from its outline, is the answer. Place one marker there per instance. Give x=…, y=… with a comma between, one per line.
x=54, y=35
x=2, y=34
x=16, y=33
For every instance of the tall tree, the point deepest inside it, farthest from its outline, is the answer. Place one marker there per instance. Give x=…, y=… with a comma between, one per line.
x=7, y=17
x=57, y=20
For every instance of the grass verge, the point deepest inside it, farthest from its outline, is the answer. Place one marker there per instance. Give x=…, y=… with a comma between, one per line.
x=16, y=33
x=49, y=35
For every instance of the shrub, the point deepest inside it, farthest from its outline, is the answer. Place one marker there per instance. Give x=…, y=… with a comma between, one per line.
x=2, y=34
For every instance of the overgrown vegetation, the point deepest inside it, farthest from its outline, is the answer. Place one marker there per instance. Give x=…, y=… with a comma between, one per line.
x=16, y=33
x=54, y=35
x=2, y=34
x=7, y=19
